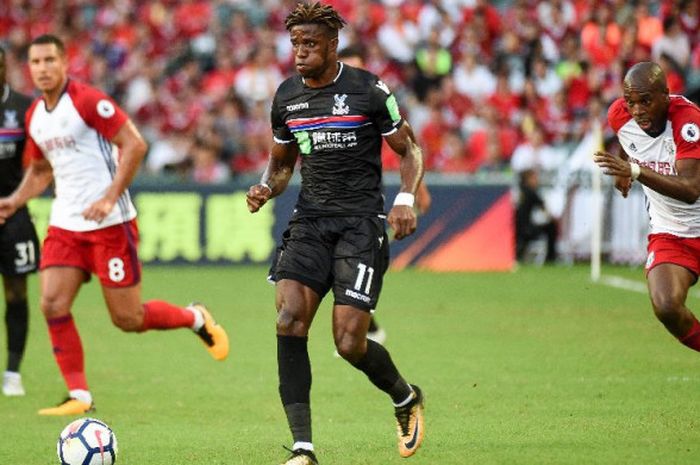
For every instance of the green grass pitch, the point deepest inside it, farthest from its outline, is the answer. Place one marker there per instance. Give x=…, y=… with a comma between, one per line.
x=534, y=367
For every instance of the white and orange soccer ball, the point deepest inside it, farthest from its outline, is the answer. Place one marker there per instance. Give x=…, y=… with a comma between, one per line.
x=87, y=441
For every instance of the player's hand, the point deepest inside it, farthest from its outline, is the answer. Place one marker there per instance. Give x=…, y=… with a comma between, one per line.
x=257, y=196
x=612, y=165
x=623, y=184
x=402, y=220
x=99, y=210
x=8, y=207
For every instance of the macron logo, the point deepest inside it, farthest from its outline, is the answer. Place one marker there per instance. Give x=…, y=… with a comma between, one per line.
x=298, y=106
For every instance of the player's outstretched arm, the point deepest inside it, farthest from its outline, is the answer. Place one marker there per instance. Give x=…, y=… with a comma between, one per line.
x=280, y=168
x=36, y=179
x=402, y=218
x=132, y=150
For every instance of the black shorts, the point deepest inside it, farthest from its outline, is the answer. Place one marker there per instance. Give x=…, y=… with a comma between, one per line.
x=348, y=254
x=19, y=246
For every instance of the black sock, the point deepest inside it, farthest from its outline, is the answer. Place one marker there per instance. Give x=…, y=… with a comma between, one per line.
x=294, y=370
x=17, y=324
x=382, y=372
x=373, y=326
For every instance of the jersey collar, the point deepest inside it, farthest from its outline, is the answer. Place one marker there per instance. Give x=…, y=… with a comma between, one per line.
x=340, y=70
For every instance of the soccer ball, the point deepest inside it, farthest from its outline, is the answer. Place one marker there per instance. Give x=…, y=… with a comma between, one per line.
x=87, y=441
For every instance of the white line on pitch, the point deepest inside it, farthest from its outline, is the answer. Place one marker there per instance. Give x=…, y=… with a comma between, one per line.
x=632, y=285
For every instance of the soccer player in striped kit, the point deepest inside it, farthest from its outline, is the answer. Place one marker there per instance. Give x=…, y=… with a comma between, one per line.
x=80, y=139
x=660, y=136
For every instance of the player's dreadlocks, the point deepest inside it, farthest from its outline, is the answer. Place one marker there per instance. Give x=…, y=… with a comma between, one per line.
x=317, y=13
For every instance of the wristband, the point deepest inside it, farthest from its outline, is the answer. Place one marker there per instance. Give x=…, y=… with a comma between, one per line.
x=636, y=171
x=404, y=198
x=264, y=184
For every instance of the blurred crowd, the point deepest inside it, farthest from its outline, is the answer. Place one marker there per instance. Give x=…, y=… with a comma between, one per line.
x=487, y=86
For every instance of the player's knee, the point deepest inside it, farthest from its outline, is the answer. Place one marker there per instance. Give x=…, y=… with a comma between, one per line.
x=289, y=324
x=54, y=306
x=127, y=322
x=350, y=346
x=667, y=306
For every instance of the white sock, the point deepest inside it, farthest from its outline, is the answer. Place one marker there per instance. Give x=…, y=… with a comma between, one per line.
x=303, y=445
x=408, y=399
x=198, y=318
x=12, y=375
x=81, y=394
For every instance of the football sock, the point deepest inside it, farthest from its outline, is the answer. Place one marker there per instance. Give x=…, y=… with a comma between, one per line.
x=68, y=351
x=294, y=369
x=16, y=323
x=373, y=326
x=158, y=314
x=381, y=371
x=80, y=394
x=692, y=339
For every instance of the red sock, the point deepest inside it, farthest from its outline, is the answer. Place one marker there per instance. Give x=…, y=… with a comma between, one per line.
x=68, y=351
x=692, y=339
x=162, y=315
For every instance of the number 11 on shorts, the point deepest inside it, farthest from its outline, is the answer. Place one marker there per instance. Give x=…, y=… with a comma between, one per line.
x=362, y=271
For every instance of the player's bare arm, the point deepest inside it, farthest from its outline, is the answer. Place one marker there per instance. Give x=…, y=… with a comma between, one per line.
x=132, y=150
x=280, y=168
x=36, y=179
x=402, y=218
x=684, y=186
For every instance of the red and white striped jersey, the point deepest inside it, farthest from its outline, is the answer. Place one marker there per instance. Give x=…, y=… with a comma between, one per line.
x=680, y=139
x=75, y=138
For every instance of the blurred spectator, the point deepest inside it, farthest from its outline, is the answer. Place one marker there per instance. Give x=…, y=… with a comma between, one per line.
x=532, y=220
x=475, y=77
x=433, y=63
x=673, y=42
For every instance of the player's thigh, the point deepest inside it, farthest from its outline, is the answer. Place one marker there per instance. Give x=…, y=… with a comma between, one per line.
x=59, y=286
x=361, y=257
x=672, y=267
x=124, y=306
x=296, y=307
x=114, y=255
x=350, y=326
x=668, y=284
x=19, y=246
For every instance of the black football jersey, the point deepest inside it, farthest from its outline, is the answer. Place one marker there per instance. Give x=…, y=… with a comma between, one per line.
x=339, y=130
x=13, y=107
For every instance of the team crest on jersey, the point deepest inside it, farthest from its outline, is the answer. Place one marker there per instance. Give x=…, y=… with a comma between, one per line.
x=10, y=119
x=669, y=146
x=340, y=108
x=690, y=132
x=105, y=108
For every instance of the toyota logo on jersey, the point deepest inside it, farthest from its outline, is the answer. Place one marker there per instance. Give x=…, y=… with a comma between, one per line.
x=690, y=132
x=105, y=109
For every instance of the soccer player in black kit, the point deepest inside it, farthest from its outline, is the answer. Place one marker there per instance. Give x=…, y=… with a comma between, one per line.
x=333, y=117
x=19, y=247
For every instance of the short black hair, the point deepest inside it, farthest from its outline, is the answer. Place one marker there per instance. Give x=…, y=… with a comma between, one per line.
x=316, y=13
x=46, y=39
x=354, y=50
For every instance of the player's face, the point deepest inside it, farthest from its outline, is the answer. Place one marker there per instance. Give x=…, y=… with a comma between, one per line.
x=312, y=49
x=648, y=107
x=48, y=67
